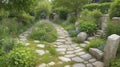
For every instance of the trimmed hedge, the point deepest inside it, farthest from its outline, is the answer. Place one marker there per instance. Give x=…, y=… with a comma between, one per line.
x=115, y=9
x=103, y=7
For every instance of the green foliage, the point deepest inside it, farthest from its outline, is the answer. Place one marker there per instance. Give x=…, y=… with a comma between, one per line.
x=9, y=27
x=114, y=9
x=42, y=8
x=62, y=12
x=103, y=7
x=3, y=14
x=71, y=19
x=95, y=43
x=19, y=57
x=103, y=1
x=72, y=5
x=7, y=44
x=76, y=40
x=112, y=28
x=43, y=31
x=87, y=26
x=115, y=63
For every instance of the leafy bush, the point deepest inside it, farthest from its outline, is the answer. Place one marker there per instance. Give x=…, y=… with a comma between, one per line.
x=103, y=7
x=9, y=27
x=94, y=15
x=71, y=19
x=62, y=12
x=3, y=14
x=114, y=10
x=95, y=43
x=43, y=31
x=7, y=44
x=87, y=26
x=43, y=8
x=19, y=57
x=112, y=28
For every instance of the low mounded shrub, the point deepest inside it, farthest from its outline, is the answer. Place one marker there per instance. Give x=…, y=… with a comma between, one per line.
x=114, y=9
x=19, y=57
x=43, y=31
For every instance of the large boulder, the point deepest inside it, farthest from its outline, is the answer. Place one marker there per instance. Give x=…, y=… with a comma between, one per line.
x=82, y=36
x=96, y=52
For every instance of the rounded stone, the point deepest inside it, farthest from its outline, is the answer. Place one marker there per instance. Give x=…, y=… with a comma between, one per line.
x=82, y=36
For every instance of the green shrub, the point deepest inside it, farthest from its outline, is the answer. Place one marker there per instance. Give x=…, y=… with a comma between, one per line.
x=71, y=19
x=62, y=12
x=7, y=44
x=3, y=14
x=114, y=10
x=9, y=27
x=43, y=31
x=112, y=28
x=19, y=57
x=43, y=8
x=95, y=43
x=87, y=26
x=103, y=7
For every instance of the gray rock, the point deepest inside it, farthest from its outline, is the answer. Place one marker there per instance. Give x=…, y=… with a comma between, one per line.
x=98, y=64
x=86, y=57
x=92, y=60
x=70, y=55
x=40, y=52
x=82, y=36
x=42, y=65
x=61, y=49
x=79, y=65
x=64, y=59
x=77, y=59
x=110, y=49
x=83, y=44
x=89, y=65
x=41, y=45
x=96, y=52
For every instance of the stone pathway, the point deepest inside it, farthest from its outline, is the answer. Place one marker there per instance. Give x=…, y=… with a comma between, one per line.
x=70, y=51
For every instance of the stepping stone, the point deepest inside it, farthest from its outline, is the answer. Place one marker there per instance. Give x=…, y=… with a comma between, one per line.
x=80, y=53
x=69, y=52
x=69, y=55
x=36, y=41
x=98, y=64
x=40, y=52
x=83, y=45
x=78, y=50
x=86, y=56
x=77, y=59
x=64, y=59
x=86, y=42
x=89, y=65
x=92, y=60
x=42, y=65
x=26, y=44
x=61, y=49
x=79, y=65
x=67, y=66
x=41, y=45
x=51, y=63
x=60, y=46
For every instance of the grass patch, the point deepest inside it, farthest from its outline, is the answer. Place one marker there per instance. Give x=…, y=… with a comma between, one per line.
x=95, y=43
